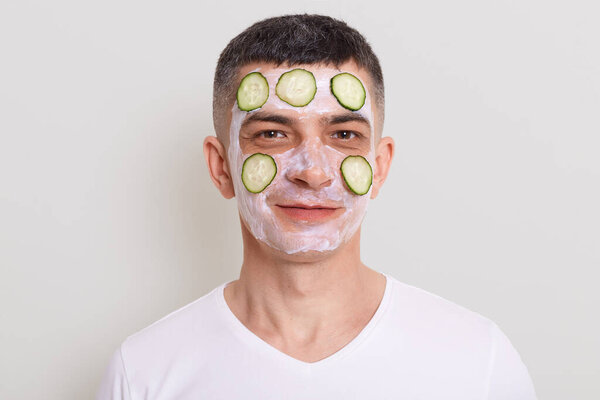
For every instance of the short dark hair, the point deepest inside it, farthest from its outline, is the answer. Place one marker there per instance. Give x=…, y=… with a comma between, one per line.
x=293, y=39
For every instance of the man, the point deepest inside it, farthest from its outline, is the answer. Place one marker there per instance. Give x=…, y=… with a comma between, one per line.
x=298, y=112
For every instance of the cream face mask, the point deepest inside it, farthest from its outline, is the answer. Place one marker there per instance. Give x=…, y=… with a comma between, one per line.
x=266, y=212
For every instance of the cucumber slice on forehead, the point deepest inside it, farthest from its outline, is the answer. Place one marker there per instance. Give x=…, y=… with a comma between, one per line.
x=296, y=87
x=357, y=174
x=258, y=172
x=253, y=92
x=348, y=90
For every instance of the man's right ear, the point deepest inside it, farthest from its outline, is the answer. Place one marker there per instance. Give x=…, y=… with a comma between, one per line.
x=216, y=161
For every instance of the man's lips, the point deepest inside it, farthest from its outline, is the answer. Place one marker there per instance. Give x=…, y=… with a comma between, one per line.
x=307, y=206
x=308, y=212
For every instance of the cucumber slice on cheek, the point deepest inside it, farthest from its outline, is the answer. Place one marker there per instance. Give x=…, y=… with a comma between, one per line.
x=258, y=171
x=253, y=92
x=296, y=87
x=357, y=174
x=348, y=90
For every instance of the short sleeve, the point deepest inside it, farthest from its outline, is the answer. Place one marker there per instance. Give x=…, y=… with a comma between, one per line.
x=114, y=385
x=508, y=375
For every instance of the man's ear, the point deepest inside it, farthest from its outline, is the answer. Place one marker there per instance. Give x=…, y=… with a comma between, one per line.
x=216, y=161
x=383, y=161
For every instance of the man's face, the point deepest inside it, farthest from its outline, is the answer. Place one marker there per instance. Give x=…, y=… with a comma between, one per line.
x=308, y=145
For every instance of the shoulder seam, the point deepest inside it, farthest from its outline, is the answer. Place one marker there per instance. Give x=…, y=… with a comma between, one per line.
x=447, y=301
x=180, y=309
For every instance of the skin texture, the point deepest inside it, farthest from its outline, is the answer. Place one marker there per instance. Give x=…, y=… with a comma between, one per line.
x=305, y=298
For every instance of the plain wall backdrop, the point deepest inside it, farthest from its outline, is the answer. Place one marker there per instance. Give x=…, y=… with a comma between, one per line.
x=109, y=220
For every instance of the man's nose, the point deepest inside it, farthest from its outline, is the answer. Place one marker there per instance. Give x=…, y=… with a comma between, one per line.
x=311, y=169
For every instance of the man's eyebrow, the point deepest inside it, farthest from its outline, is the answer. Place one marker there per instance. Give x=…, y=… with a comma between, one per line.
x=346, y=117
x=261, y=116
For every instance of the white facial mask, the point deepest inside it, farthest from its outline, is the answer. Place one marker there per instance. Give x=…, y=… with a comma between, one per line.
x=257, y=209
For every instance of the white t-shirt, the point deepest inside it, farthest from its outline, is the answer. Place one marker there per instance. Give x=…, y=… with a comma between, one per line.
x=417, y=345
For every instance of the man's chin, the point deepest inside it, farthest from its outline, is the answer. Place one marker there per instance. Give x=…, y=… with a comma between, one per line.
x=293, y=242
x=307, y=248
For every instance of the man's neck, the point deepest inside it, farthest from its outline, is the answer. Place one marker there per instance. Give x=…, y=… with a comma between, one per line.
x=298, y=302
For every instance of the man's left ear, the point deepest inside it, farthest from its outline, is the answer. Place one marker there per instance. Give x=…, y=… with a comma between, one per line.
x=383, y=161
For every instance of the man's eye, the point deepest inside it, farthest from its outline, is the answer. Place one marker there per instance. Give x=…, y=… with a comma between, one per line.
x=345, y=134
x=269, y=134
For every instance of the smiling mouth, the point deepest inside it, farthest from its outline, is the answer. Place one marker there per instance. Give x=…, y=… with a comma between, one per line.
x=308, y=207
x=308, y=212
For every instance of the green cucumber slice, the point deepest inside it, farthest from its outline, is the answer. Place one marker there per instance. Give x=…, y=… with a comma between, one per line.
x=348, y=90
x=357, y=174
x=253, y=92
x=258, y=172
x=296, y=87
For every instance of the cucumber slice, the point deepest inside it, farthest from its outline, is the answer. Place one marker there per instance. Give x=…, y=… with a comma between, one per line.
x=258, y=172
x=348, y=90
x=253, y=92
x=357, y=174
x=296, y=87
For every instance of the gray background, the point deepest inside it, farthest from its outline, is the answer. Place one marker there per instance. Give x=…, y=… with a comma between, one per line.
x=109, y=221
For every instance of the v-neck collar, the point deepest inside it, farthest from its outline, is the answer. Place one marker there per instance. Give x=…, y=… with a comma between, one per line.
x=259, y=343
